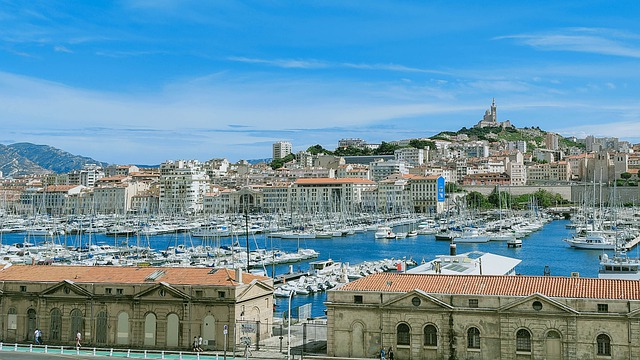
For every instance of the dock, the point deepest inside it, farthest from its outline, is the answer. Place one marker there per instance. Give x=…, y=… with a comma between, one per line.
x=632, y=243
x=283, y=278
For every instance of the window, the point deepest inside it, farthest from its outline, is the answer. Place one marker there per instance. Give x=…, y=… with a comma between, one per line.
x=23, y=288
x=416, y=301
x=120, y=291
x=473, y=303
x=603, y=308
x=162, y=292
x=357, y=299
x=430, y=336
x=55, y=325
x=199, y=293
x=537, y=305
x=403, y=335
x=107, y=290
x=523, y=340
x=473, y=338
x=604, y=345
x=221, y=294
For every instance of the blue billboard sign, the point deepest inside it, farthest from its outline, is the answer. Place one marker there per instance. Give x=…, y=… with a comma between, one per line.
x=440, y=188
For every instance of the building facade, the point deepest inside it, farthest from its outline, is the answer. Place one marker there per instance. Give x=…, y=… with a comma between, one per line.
x=133, y=307
x=484, y=317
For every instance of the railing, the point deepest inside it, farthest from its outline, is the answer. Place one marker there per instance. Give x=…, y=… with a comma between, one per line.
x=111, y=352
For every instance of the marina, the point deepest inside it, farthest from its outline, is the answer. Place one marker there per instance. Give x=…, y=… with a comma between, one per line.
x=541, y=252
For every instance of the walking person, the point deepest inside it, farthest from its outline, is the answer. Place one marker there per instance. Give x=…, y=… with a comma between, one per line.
x=390, y=353
x=78, y=339
x=36, y=337
x=195, y=344
x=200, y=343
x=382, y=357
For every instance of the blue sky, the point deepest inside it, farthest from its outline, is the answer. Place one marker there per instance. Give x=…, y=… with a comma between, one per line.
x=145, y=81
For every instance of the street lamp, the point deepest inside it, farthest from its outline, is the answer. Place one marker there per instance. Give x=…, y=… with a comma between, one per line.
x=289, y=327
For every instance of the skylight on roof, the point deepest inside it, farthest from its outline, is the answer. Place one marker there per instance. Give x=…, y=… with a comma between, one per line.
x=155, y=275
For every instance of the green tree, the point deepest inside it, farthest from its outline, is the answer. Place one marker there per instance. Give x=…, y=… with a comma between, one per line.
x=625, y=176
x=278, y=163
x=386, y=148
x=422, y=144
x=476, y=200
x=317, y=149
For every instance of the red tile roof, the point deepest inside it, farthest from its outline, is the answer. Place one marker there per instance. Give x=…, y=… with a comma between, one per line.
x=122, y=275
x=499, y=285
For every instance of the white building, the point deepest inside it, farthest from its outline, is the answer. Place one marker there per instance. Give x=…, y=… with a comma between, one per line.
x=410, y=155
x=281, y=149
x=382, y=169
x=183, y=184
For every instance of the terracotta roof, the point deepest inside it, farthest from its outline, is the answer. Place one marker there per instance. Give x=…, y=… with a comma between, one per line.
x=499, y=285
x=122, y=274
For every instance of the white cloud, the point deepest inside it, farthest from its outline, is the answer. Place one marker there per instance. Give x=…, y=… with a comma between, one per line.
x=597, y=41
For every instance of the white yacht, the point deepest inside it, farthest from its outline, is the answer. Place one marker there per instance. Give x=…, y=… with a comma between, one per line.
x=593, y=240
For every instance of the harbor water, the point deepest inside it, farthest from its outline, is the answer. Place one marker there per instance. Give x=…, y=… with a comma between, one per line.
x=544, y=248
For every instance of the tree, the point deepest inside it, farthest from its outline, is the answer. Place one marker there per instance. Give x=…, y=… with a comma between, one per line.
x=476, y=200
x=625, y=176
x=386, y=148
x=278, y=163
x=317, y=149
x=422, y=144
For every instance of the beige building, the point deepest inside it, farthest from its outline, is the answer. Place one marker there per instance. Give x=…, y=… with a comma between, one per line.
x=484, y=317
x=139, y=307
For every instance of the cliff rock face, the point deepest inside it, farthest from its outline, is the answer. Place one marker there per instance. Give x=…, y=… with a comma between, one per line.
x=26, y=158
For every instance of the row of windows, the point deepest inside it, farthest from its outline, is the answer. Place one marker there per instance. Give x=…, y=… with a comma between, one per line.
x=523, y=338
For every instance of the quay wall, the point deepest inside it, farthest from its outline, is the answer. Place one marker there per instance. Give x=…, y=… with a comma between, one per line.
x=563, y=190
x=575, y=193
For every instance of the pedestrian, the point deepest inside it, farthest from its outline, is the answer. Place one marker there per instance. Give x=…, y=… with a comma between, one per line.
x=195, y=344
x=382, y=354
x=78, y=339
x=200, y=343
x=36, y=336
x=390, y=353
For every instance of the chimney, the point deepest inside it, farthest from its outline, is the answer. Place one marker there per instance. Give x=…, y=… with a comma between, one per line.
x=452, y=249
x=239, y=275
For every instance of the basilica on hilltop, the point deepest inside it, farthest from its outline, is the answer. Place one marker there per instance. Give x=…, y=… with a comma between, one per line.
x=490, y=118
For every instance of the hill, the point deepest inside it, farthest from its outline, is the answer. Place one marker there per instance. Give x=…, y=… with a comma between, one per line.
x=26, y=158
x=534, y=136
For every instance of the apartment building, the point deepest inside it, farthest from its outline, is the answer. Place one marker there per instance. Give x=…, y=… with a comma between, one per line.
x=281, y=149
x=550, y=172
x=183, y=184
x=326, y=194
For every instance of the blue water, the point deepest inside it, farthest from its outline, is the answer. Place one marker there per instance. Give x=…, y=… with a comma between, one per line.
x=540, y=249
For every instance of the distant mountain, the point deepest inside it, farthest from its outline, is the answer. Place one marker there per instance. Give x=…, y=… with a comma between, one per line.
x=27, y=158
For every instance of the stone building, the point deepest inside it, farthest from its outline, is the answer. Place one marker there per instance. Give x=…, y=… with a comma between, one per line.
x=139, y=307
x=484, y=317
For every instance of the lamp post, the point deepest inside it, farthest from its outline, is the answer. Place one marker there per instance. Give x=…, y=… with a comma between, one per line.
x=289, y=327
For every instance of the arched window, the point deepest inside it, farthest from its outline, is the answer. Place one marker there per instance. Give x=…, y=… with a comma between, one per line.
x=101, y=327
x=55, y=325
x=430, y=336
x=77, y=324
x=523, y=340
x=604, y=345
x=473, y=338
x=403, y=334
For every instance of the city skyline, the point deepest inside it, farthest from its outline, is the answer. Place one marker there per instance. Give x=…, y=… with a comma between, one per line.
x=147, y=81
